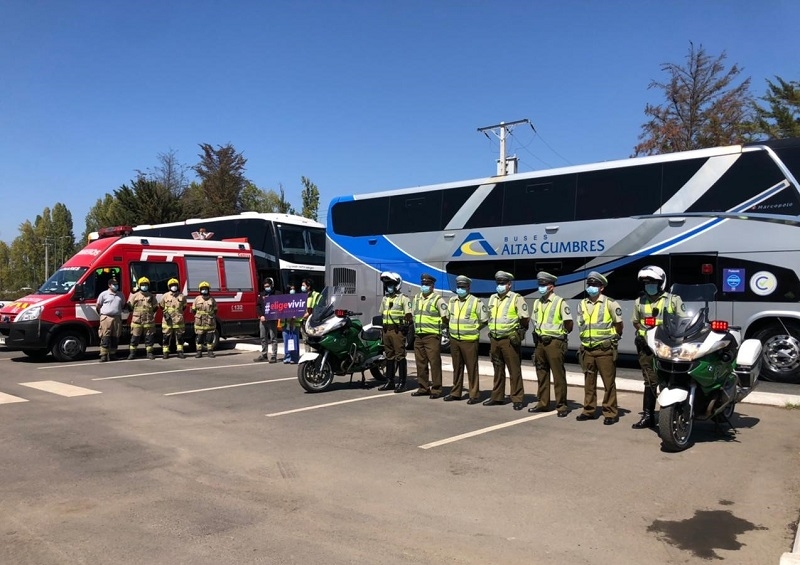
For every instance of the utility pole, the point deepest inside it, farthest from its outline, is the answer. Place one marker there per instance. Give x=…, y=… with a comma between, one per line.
x=504, y=127
x=46, y=258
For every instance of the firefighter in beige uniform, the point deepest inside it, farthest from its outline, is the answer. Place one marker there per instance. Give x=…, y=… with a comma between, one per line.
x=143, y=305
x=553, y=323
x=204, y=309
x=430, y=320
x=468, y=314
x=600, y=324
x=172, y=304
x=508, y=322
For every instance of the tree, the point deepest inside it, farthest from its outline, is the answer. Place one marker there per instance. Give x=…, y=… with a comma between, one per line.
x=222, y=179
x=147, y=201
x=310, y=196
x=105, y=212
x=703, y=107
x=170, y=173
x=782, y=118
x=284, y=206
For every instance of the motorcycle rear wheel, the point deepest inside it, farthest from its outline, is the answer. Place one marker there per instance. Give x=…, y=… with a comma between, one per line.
x=314, y=378
x=674, y=428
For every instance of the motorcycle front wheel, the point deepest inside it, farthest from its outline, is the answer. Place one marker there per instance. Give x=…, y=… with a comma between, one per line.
x=313, y=377
x=674, y=427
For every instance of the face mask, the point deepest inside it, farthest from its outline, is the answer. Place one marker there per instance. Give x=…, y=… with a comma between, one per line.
x=204, y=292
x=426, y=288
x=292, y=291
x=651, y=289
x=267, y=289
x=144, y=288
x=174, y=288
x=461, y=292
x=592, y=290
x=389, y=290
x=501, y=289
x=543, y=290
x=114, y=287
x=304, y=288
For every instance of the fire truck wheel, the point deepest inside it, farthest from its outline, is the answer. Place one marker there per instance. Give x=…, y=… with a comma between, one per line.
x=69, y=345
x=36, y=354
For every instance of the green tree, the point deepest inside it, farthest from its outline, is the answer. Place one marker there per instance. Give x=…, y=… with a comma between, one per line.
x=6, y=288
x=105, y=212
x=148, y=201
x=222, y=179
x=283, y=205
x=169, y=173
x=703, y=107
x=310, y=196
x=781, y=119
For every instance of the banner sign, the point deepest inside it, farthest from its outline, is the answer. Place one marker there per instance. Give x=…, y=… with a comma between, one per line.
x=283, y=306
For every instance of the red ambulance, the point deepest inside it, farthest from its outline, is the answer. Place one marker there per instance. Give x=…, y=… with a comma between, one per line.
x=60, y=317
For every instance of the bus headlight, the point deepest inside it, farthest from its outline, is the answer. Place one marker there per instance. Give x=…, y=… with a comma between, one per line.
x=30, y=314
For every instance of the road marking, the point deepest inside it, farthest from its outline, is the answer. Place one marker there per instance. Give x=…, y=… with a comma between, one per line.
x=9, y=399
x=61, y=389
x=208, y=368
x=228, y=386
x=486, y=430
x=327, y=405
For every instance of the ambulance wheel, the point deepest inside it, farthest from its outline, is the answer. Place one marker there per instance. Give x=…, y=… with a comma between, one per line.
x=69, y=345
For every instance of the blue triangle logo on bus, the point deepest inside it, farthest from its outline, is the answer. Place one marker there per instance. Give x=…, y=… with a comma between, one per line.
x=474, y=244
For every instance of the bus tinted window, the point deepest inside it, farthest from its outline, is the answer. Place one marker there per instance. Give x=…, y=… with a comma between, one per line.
x=360, y=217
x=675, y=174
x=420, y=212
x=616, y=193
x=751, y=174
x=539, y=201
x=490, y=211
x=452, y=201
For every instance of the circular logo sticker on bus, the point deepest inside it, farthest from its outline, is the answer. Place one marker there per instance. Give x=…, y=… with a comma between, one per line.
x=763, y=283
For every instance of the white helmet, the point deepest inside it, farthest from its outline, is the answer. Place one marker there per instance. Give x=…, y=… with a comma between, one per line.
x=654, y=273
x=388, y=277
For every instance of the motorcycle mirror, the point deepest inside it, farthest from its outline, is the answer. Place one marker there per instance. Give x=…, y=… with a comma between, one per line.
x=650, y=321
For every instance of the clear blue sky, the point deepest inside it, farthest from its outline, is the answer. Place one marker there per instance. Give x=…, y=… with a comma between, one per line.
x=356, y=95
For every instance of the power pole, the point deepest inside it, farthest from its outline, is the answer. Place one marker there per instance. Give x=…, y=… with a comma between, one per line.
x=504, y=127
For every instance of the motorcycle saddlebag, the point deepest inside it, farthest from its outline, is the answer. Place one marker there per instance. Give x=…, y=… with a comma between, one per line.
x=748, y=363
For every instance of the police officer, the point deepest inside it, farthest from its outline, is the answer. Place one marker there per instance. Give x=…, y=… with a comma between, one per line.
x=143, y=306
x=396, y=316
x=267, y=329
x=204, y=309
x=109, y=307
x=600, y=324
x=553, y=323
x=430, y=320
x=508, y=322
x=650, y=304
x=173, y=304
x=467, y=314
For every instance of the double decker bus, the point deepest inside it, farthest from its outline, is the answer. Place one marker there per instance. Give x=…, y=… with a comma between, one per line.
x=286, y=247
x=727, y=215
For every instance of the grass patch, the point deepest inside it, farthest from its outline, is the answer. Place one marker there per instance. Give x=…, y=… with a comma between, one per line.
x=792, y=406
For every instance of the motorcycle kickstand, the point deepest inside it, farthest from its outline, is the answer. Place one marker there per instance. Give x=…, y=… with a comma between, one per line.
x=364, y=381
x=720, y=431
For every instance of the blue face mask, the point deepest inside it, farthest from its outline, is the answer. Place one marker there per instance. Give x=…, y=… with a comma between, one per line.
x=592, y=290
x=144, y=288
x=543, y=290
x=501, y=289
x=651, y=289
x=461, y=292
x=114, y=287
x=267, y=290
x=304, y=288
x=389, y=290
x=426, y=288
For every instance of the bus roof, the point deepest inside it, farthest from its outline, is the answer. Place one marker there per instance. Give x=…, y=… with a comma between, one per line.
x=272, y=217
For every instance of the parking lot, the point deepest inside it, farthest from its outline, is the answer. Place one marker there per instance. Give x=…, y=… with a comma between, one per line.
x=228, y=461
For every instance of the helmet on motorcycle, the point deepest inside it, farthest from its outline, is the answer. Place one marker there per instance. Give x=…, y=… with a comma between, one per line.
x=653, y=273
x=142, y=280
x=173, y=281
x=390, y=278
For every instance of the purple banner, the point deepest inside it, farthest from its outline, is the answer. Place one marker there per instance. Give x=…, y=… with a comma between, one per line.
x=283, y=306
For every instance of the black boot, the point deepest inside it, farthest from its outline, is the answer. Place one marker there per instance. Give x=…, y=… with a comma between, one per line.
x=648, y=410
x=401, y=379
x=390, y=368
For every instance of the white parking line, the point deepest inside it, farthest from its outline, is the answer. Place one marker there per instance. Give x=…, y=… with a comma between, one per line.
x=229, y=386
x=327, y=405
x=9, y=399
x=208, y=368
x=61, y=389
x=486, y=430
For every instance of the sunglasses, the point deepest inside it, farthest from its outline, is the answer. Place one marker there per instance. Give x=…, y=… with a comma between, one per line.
x=594, y=282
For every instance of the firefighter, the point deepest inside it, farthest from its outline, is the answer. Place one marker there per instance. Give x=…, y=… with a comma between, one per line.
x=204, y=309
x=143, y=305
x=172, y=305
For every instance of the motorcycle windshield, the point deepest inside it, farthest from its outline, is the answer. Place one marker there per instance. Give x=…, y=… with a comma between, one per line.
x=689, y=309
x=324, y=309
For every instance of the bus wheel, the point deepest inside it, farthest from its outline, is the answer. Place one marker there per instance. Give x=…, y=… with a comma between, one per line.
x=781, y=352
x=69, y=345
x=37, y=354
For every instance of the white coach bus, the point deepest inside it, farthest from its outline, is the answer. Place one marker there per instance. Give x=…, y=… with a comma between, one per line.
x=727, y=215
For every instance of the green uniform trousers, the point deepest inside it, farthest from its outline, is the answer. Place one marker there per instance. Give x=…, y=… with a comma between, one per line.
x=465, y=354
x=602, y=361
x=428, y=351
x=394, y=344
x=548, y=359
x=504, y=354
x=646, y=361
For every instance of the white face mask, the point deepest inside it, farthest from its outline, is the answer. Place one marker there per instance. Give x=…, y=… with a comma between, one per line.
x=304, y=288
x=174, y=288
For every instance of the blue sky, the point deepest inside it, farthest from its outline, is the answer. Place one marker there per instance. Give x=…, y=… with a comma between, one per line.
x=358, y=96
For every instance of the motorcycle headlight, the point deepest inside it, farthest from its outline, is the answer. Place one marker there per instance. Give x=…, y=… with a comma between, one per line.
x=315, y=330
x=30, y=314
x=684, y=352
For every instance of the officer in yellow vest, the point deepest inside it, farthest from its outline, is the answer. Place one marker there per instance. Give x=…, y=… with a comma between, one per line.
x=430, y=319
x=467, y=314
x=553, y=323
x=396, y=317
x=508, y=322
x=600, y=324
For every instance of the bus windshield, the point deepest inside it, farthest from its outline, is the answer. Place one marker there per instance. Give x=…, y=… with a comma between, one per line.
x=62, y=280
x=300, y=244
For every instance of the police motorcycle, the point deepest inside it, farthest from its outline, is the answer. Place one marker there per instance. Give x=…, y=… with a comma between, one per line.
x=342, y=346
x=703, y=366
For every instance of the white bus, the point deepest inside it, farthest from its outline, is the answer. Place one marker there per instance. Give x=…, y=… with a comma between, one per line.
x=287, y=248
x=728, y=215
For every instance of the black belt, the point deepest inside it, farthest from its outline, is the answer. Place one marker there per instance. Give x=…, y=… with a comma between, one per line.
x=496, y=337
